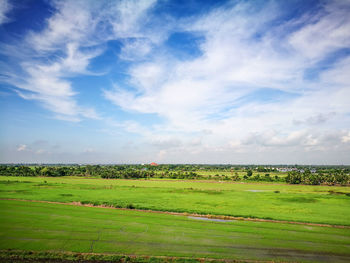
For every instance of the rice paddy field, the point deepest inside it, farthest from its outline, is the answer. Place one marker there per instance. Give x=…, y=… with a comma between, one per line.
x=134, y=217
x=240, y=173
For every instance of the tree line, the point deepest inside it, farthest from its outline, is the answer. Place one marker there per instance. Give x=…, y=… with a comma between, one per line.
x=107, y=172
x=332, y=177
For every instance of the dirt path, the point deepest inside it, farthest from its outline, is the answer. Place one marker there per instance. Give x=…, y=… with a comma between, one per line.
x=186, y=214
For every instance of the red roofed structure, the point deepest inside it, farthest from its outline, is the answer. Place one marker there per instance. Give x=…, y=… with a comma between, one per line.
x=153, y=164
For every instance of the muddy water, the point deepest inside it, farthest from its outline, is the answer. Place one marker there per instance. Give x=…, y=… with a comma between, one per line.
x=209, y=219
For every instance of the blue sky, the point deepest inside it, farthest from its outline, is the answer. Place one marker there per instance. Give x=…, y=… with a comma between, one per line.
x=175, y=81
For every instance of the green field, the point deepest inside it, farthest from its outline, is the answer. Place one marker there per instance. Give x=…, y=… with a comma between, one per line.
x=41, y=226
x=240, y=173
x=316, y=204
x=33, y=226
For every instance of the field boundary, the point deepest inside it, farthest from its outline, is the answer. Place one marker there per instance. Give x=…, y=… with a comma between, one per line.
x=66, y=256
x=223, y=217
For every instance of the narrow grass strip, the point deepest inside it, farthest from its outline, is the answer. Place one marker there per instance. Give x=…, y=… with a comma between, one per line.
x=54, y=256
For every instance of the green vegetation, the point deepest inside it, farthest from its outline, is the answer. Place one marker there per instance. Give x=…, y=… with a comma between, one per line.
x=316, y=204
x=52, y=227
x=129, y=172
x=52, y=232
x=331, y=175
x=306, y=177
x=20, y=256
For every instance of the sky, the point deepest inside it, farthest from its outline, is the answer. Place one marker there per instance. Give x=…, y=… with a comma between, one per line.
x=236, y=82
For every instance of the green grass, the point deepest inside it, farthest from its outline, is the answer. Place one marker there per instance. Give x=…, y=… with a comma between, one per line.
x=239, y=173
x=51, y=227
x=302, y=203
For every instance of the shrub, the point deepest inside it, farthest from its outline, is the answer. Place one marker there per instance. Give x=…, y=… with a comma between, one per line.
x=130, y=206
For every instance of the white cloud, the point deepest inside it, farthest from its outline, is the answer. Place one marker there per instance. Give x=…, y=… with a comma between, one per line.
x=346, y=138
x=205, y=85
x=5, y=8
x=209, y=106
x=73, y=35
x=46, y=83
x=338, y=74
x=242, y=53
x=325, y=32
x=129, y=17
x=21, y=148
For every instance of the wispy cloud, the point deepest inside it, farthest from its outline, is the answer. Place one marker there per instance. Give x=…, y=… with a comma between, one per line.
x=247, y=49
x=255, y=80
x=323, y=32
x=72, y=37
x=5, y=8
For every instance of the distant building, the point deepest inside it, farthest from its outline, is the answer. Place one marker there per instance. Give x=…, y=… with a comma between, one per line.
x=153, y=164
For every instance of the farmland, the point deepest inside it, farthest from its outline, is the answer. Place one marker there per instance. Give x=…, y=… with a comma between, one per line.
x=164, y=131
x=32, y=222
x=40, y=226
x=316, y=204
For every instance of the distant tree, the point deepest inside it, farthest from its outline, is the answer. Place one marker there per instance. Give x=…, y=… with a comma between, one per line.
x=293, y=177
x=235, y=177
x=257, y=177
x=261, y=169
x=249, y=173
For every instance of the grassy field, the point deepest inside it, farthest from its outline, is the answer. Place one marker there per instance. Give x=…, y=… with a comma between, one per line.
x=52, y=227
x=316, y=204
x=240, y=173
